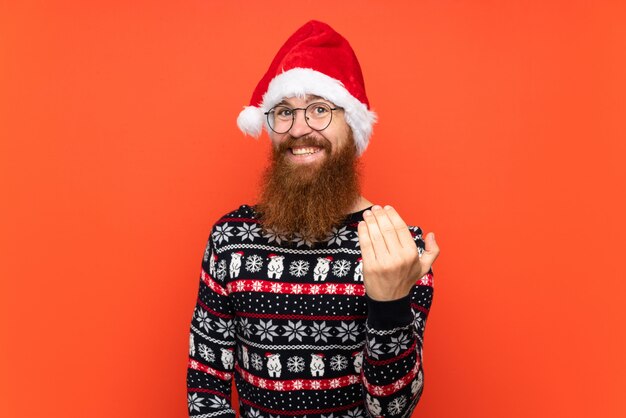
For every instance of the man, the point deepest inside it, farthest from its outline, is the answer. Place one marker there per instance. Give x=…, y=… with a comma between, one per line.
x=314, y=299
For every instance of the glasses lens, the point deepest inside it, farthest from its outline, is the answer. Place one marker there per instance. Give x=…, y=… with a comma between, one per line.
x=280, y=119
x=318, y=116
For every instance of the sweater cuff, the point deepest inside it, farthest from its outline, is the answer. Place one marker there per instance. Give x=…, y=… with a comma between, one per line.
x=389, y=314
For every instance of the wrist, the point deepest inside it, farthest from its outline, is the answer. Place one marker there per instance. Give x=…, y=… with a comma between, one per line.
x=390, y=313
x=386, y=293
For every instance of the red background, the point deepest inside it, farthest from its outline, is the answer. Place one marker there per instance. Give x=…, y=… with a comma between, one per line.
x=501, y=129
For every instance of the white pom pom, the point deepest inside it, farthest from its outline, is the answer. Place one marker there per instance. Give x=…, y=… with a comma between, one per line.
x=250, y=121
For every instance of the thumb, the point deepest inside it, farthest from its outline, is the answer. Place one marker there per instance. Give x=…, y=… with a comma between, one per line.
x=430, y=241
x=432, y=249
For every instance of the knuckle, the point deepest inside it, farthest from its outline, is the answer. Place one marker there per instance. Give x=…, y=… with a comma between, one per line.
x=371, y=270
x=400, y=228
x=381, y=266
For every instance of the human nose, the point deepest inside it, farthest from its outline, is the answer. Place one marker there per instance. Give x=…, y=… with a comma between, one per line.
x=299, y=127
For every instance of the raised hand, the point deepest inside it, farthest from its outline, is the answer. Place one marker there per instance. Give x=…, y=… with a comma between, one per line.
x=391, y=261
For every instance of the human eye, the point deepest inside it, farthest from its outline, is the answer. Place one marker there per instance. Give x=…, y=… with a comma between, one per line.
x=320, y=109
x=283, y=112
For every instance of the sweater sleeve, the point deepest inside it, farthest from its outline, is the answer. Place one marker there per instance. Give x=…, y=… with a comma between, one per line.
x=211, y=341
x=392, y=371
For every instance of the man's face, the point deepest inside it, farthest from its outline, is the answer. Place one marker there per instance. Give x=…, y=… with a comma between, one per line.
x=301, y=137
x=311, y=193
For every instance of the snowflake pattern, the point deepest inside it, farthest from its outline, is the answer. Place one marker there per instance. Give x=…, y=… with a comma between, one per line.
x=341, y=268
x=206, y=353
x=254, y=413
x=245, y=327
x=320, y=331
x=217, y=402
x=266, y=330
x=299, y=268
x=295, y=364
x=257, y=361
x=203, y=319
x=374, y=349
x=300, y=240
x=417, y=320
x=254, y=263
x=227, y=328
x=249, y=231
x=338, y=235
x=294, y=330
x=222, y=233
x=194, y=402
x=399, y=343
x=347, y=331
x=338, y=362
x=273, y=236
x=354, y=413
x=397, y=405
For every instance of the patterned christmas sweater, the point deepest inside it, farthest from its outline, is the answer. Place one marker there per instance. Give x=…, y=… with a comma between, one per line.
x=291, y=323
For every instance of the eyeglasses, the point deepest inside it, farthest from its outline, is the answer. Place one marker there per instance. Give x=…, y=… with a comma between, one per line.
x=316, y=115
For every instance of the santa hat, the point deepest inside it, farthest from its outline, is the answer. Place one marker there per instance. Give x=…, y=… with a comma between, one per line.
x=319, y=61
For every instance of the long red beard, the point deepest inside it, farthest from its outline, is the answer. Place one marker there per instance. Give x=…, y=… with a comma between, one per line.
x=309, y=199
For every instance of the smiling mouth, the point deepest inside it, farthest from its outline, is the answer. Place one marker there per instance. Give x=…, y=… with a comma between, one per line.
x=305, y=150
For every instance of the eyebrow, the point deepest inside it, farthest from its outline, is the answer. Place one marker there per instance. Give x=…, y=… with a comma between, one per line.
x=310, y=98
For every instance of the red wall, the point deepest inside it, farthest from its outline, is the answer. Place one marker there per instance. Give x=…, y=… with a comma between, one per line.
x=501, y=129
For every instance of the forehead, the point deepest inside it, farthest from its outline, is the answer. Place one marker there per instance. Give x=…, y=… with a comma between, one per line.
x=301, y=100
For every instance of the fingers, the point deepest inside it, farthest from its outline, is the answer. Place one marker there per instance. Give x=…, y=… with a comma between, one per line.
x=375, y=235
x=402, y=230
x=365, y=242
x=387, y=229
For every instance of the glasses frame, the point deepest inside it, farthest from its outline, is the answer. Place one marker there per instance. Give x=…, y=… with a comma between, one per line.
x=306, y=119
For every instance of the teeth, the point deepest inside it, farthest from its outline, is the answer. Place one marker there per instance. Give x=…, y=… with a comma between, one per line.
x=301, y=151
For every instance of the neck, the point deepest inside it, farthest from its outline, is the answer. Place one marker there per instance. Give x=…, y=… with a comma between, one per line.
x=361, y=203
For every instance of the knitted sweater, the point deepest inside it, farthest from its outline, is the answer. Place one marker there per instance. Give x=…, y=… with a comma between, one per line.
x=291, y=322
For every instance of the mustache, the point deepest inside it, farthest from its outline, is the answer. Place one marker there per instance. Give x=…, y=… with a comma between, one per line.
x=304, y=141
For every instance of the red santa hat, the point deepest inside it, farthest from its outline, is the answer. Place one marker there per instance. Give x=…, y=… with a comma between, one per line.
x=319, y=61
